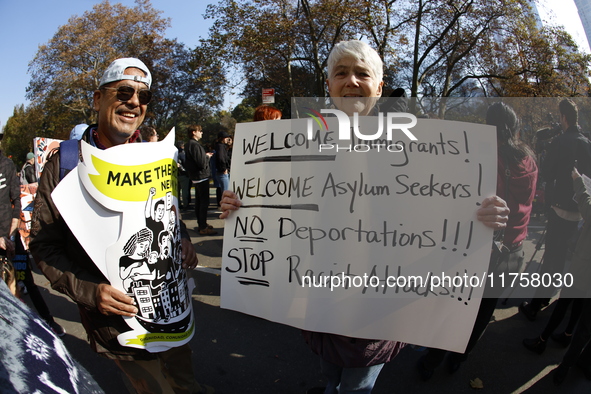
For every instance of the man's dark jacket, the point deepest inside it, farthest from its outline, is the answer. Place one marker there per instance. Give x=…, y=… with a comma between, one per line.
x=196, y=161
x=222, y=158
x=566, y=149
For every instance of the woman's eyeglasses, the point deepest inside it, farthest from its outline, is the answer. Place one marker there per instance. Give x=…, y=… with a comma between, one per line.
x=125, y=93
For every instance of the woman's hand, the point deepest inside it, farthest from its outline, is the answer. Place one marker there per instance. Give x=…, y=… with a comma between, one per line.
x=229, y=203
x=493, y=213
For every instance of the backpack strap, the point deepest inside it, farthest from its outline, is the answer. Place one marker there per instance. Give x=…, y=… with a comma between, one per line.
x=69, y=156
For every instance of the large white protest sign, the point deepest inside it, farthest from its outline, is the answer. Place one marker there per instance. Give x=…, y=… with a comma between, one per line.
x=329, y=240
x=122, y=205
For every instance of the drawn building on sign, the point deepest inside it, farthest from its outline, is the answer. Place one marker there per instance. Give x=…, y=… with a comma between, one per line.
x=166, y=305
x=163, y=302
x=143, y=298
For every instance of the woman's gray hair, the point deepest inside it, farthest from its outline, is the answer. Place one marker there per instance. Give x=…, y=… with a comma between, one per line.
x=358, y=50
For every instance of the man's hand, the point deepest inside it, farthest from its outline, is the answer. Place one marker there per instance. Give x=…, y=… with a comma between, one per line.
x=493, y=213
x=230, y=202
x=188, y=254
x=111, y=301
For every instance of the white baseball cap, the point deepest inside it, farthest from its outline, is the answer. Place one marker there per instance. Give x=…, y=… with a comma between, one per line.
x=116, y=71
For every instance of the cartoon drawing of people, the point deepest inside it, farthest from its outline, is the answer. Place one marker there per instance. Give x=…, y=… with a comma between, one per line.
x=164, y=243
x=175, y=235
x=134, y=264
x=172, y=221
x=161, y=267
x=152, y=258
x=154, y=216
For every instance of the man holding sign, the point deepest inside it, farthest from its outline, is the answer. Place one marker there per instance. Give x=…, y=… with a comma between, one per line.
x=355, y=82
x=121, y=102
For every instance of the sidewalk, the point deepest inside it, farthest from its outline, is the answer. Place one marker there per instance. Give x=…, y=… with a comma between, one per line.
x=241, y=354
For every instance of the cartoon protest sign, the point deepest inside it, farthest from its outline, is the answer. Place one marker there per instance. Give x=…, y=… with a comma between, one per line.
x=43, y=146
x=130, y=191
x=28, y=193
x=348, y=238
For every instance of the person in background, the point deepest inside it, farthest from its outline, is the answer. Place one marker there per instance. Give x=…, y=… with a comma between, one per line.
x=10, y=205
x=78, y=131
x=28, y=170
x=266, y=112
x=197, y=166
x=214, y=178
x=579, y=351
x=149, y=134
x=538, y=344
x=184, y=182
x=567, y=150
x=222, y=160
x=517, y=175
x=352, y=365
x=21, y=257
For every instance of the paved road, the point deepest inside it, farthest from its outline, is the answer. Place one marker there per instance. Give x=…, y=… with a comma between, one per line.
x=241, y=354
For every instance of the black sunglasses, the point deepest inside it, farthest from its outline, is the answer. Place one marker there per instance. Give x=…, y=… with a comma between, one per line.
x=125, y=93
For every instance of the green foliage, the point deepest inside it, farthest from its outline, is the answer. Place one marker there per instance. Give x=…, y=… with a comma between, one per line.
x=244, y=112
x=536, y=63
x=190, y=87
x=438, y=48
x=280, y=44
x=66, y=70
x=432, y=48
x=20, y=130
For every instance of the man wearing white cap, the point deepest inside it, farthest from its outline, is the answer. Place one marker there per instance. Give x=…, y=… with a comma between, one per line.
x=121, y=101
